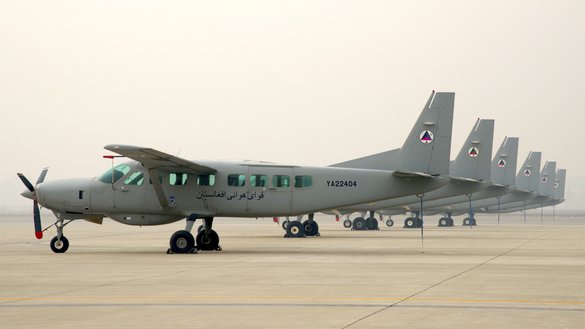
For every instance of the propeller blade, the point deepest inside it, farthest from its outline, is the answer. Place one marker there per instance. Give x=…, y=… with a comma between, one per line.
x=26, y=182
x=37, y=220
x=42, y=176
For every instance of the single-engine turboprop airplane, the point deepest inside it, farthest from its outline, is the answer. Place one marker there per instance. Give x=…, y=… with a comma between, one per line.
x=157, y=188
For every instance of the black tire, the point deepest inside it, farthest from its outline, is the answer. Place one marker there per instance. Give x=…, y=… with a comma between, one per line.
x=347, y=223
x=466, y=222
x=182, y=242
x=473, y=222
x=200, y=228
x=443, y=222
x=311, y=228
x=371, y=223
x=450, y=223
x=410, y=222
x=59, y=246
x=208, y=241
x=284, y=224
x=359, y=224
x=419, y=222
x=389, y=222
x=295, y=229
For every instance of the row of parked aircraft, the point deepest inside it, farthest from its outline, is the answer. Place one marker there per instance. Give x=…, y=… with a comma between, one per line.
x=156, y=188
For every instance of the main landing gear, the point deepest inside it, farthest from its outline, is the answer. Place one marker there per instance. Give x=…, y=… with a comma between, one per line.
x=446, y=221
x=361, y=223
x=470, y=221
x=413, y=221
x=298, y=229
x=183, y=242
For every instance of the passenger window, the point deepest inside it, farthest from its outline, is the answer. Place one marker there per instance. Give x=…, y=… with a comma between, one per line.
x=236, y=180
x=177, y=178
x=136, y=178
x=280, y=181
x=206, y=180
x=258, y=180
x=303, y=181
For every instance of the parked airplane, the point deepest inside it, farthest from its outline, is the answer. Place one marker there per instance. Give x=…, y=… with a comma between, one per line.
x=557, y=198
x=157, y=188
x=469, y=172
x=502, y=170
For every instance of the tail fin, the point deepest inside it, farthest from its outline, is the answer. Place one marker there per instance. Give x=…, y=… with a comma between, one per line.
x=505, y=162
x=559, y=184
x=547, y=178
x=393, y=159
x=527, y=179
x=475, y=156
x=428, y=146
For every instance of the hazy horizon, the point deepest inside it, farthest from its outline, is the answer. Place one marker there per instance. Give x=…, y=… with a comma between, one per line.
x=304, y=82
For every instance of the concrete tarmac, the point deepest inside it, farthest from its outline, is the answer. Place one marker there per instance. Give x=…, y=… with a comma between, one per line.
x=512, y=275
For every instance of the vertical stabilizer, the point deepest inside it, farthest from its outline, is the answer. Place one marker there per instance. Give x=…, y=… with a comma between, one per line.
x=527, y=178
x=559, y=185
x=505, y=162
x=474, y=158
x=547, y=179
x=428, y=146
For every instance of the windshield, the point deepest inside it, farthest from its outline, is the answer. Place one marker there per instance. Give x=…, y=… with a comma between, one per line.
x=113, y=175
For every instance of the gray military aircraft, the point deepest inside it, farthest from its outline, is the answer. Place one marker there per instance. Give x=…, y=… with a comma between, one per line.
x=544, y=192
x=157, y=188
x=557, y=198
x=469, y=173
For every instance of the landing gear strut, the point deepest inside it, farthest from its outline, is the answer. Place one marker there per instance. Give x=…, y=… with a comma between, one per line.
x=60, y=244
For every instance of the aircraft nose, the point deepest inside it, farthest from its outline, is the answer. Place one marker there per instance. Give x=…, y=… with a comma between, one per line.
x=27, y=194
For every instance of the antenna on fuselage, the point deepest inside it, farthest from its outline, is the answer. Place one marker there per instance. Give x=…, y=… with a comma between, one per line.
x=113, y=157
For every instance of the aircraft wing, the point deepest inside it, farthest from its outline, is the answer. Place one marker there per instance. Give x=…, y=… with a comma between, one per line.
x=153, y=159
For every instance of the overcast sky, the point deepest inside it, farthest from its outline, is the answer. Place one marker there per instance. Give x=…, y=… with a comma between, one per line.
x=301, y=82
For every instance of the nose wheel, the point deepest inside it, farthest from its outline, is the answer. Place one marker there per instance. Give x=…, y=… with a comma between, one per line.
x=59, y=245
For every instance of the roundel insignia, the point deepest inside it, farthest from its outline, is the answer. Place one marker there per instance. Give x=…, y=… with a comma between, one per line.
x=473, y=152
x=527, y=172
x=556, y=184
x=426, y=137
x=502, y=163
x=544, y=179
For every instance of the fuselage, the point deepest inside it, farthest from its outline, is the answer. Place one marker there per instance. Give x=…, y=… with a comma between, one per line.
x=245, y=189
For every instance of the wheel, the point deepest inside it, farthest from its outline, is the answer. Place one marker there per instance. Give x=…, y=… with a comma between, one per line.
x=359, y=224
x=311, y=228
x=347, y=223
x=409, y=222
x=295, y=229
x=59, y=246
x=182, y=242
x=199, y=228
x=450, y=223
x=371, y=223
x=466, y=222
x=209, y=241
x=389, y=222
x=284, y=224
x=419, y=222
x=443, y=222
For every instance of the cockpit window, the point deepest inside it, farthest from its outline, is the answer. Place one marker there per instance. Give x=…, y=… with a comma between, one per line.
x=136, y=178
x=113, y=175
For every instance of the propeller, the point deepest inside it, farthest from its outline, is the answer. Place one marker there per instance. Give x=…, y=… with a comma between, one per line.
x=36, y=210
